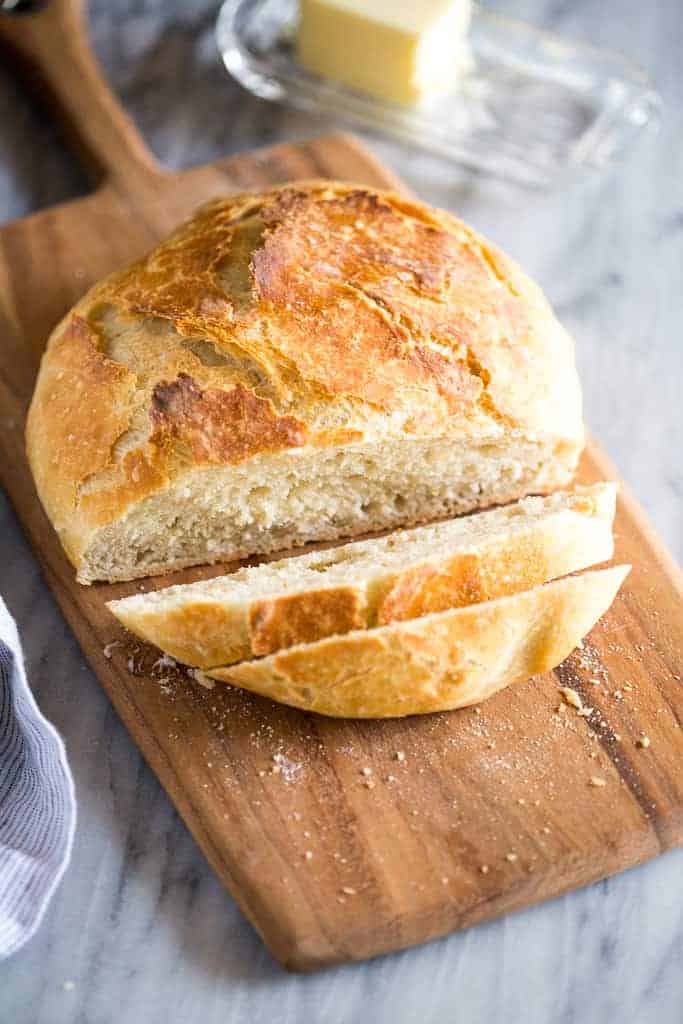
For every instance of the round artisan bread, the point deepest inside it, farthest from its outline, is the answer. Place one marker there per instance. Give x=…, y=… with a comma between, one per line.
x=310, y=362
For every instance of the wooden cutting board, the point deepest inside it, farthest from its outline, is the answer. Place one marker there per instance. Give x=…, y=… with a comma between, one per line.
x=342, y=840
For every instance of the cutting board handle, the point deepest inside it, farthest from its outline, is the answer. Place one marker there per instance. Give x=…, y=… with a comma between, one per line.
x=50, y=46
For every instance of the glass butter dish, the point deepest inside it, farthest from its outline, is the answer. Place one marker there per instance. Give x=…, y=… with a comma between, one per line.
x=533, y=108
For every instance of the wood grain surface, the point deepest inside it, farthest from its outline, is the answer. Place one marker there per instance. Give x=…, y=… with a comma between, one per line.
x=343, y=840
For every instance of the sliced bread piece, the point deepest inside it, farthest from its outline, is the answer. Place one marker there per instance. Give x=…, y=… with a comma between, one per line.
x=438, y=662
x=257, y=611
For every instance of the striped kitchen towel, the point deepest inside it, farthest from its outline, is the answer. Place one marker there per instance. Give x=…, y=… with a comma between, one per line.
x=37, y=803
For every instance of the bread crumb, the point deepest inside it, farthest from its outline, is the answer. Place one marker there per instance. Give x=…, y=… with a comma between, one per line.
x=285, y=767
x=512, y=857
x=164, y=662
x=484, y=868
x=308, y=855
x=348, y=890
x=521, y=801
x=643, y=741
x=202, y=679
x=68, y=986
x=444, y=880
x=369, y=784
x=571, y=697
x=546, y=830
x=366, y=771
x=391, y=778
x=400, y=755
x=597, y=781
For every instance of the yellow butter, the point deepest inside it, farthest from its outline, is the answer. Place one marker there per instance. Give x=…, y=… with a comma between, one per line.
x=406, y=51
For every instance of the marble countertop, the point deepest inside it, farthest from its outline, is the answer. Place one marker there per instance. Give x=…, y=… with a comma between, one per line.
x=140, y=930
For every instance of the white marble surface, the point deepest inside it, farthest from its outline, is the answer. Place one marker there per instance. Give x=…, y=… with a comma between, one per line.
x=140, y=926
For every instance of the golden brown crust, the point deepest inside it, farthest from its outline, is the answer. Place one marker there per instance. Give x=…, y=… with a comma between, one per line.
x=290, y=619
x=438, y=662
x=74, y=430
x=536, y=556
x=432, y=587
x=219, y=426
x=312, y=314
x=358, y=316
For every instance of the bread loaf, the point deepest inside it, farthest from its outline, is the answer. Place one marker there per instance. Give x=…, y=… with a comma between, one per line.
x=308, y=363
x=438, y=662
x=256, y=611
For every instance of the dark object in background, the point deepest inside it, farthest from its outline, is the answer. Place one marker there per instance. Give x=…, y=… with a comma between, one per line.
x=20, y=6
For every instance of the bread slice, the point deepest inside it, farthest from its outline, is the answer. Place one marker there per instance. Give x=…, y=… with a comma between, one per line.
x=438, y=662
x=307, y=363
x=257, y=611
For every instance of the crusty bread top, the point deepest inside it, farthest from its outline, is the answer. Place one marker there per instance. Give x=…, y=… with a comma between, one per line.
x=313, y=314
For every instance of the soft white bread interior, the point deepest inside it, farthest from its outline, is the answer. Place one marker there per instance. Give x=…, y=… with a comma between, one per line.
x=438, y=662
x=257, y=611
x=307, y=363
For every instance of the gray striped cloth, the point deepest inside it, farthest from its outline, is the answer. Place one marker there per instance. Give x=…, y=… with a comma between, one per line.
x=37, y=803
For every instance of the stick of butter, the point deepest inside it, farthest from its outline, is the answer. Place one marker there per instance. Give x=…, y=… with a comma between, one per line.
x=406, y=51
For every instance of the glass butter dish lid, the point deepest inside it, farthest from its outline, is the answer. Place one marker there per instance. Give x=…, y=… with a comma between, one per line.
x=533, y=107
